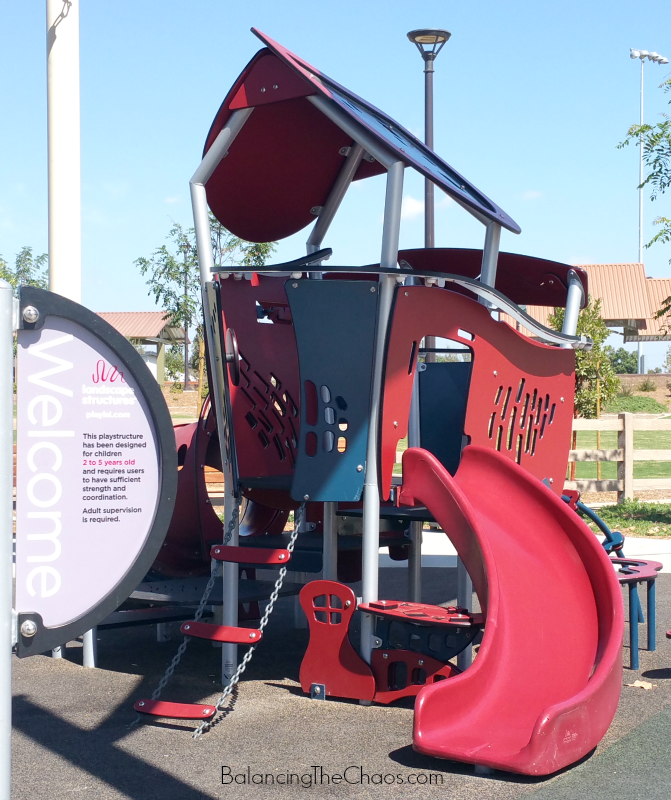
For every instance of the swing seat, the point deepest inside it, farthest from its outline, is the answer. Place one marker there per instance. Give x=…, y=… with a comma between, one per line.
x=221, y=633
x=161, y=708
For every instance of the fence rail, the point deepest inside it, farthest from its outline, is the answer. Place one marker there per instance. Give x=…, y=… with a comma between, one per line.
x=625, y=484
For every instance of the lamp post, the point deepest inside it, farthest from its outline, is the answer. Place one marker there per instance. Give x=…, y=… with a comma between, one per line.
x=657, y=59
x=429, y=42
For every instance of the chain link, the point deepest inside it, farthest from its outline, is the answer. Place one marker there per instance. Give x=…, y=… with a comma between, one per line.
x=199, y=613
x=228, y=690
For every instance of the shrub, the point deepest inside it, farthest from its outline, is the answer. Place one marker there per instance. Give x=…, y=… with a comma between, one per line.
x=647, y=386
x=636, y=404
x=626, y=391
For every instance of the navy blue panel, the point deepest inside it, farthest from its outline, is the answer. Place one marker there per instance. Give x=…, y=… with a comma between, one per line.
x=443, y=394
x=334, y=323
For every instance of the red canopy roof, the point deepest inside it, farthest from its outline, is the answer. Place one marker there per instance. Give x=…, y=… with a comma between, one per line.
x=283, y=163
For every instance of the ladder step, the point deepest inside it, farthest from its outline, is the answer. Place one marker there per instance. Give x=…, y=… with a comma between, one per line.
x=161, y=708
x=249, y=555
x=221, y=633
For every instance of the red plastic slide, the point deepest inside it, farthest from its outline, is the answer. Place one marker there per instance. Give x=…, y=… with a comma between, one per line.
x=545, y=684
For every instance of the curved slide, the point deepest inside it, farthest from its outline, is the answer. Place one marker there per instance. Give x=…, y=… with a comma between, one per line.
x=546, y=682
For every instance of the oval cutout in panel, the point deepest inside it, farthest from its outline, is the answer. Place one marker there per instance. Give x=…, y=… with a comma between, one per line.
x=343, y=424
x=311, y=444
x=340, y=402
x=311, y=403
x=328, y=440
x=342, y=444
x=329, y=415
x=325, y=393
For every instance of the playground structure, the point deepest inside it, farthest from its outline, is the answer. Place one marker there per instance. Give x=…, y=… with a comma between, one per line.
x=315, y=374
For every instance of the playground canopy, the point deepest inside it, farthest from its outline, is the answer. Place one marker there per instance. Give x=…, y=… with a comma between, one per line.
x=287, y=157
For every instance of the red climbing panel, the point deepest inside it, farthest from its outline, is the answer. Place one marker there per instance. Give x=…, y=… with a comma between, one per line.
x=330, y=659
x=538, y=696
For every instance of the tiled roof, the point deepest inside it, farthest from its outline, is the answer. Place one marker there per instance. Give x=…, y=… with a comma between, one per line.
x=625, y=294
x=142, y=324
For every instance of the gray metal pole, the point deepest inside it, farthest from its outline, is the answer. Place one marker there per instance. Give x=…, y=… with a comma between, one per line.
x=640, y=180
x=429, y=206
x=6, y=534
x=574, y=299
x=90, y=647
x=371, y=495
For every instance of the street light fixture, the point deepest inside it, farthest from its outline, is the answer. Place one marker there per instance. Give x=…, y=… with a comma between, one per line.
x=429, y=42
x=656, y=59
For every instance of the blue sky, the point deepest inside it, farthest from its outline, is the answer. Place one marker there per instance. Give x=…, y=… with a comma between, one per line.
x=531, y=101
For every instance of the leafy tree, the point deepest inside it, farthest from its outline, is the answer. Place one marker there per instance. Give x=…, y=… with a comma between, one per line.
x=625, y=362
x=174, y=276
x=667, y=361
x=28, y=270
x=590, y=365
x=656, y=143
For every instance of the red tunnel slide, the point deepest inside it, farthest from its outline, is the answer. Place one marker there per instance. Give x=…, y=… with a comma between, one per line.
x=545, y=684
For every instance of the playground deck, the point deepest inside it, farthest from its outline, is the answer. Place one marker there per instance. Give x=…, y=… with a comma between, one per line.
x=71, y=735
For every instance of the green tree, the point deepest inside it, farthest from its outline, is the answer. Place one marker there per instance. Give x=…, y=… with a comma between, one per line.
x=656, y=143
x=625, y=362
x=590, y=365
x=174, y=277
x=28, y=270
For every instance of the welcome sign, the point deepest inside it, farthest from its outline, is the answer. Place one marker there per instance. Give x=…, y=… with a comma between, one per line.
x=96, y=471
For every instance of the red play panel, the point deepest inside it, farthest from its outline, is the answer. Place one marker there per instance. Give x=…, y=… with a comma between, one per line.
x=330, y=659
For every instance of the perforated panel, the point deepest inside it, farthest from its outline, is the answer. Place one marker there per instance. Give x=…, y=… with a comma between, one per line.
x=520, y=400
x=335, y=324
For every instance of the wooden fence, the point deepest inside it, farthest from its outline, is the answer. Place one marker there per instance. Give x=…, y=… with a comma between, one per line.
x=625, y=484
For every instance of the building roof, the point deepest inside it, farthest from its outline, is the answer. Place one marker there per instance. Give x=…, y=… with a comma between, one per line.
x=629, y=300
x=655, y=330
x=143, y=325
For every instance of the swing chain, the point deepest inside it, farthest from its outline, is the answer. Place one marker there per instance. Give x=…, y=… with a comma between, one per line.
x=207, y=724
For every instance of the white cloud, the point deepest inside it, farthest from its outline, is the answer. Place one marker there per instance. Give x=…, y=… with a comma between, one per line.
x=531, y=194
x=411, y=208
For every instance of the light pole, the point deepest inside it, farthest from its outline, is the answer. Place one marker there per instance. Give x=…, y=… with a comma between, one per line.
x=657, y=59
x=429, y=42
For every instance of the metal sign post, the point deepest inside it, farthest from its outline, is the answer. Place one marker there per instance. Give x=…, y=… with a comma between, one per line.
x=6, y=513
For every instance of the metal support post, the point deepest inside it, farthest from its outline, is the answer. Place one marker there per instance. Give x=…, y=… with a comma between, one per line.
x=490, y=254
x=90, y=647
x=335, y=198
x=229, y=652
x=63, y=128
x=574, y=300
x=330, y=551
x=225, y=138
x=6, y=534
x=371, y=494
x=163, y=632
x=415, y=554
x=652, y=633
x=633, y=625
x=58, y=652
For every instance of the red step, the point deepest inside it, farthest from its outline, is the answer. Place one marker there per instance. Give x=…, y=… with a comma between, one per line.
x=161, y=708
x=249, y=555
x=221, y=633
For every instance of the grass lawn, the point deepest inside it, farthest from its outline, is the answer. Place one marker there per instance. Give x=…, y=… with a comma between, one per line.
x=636, y=518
